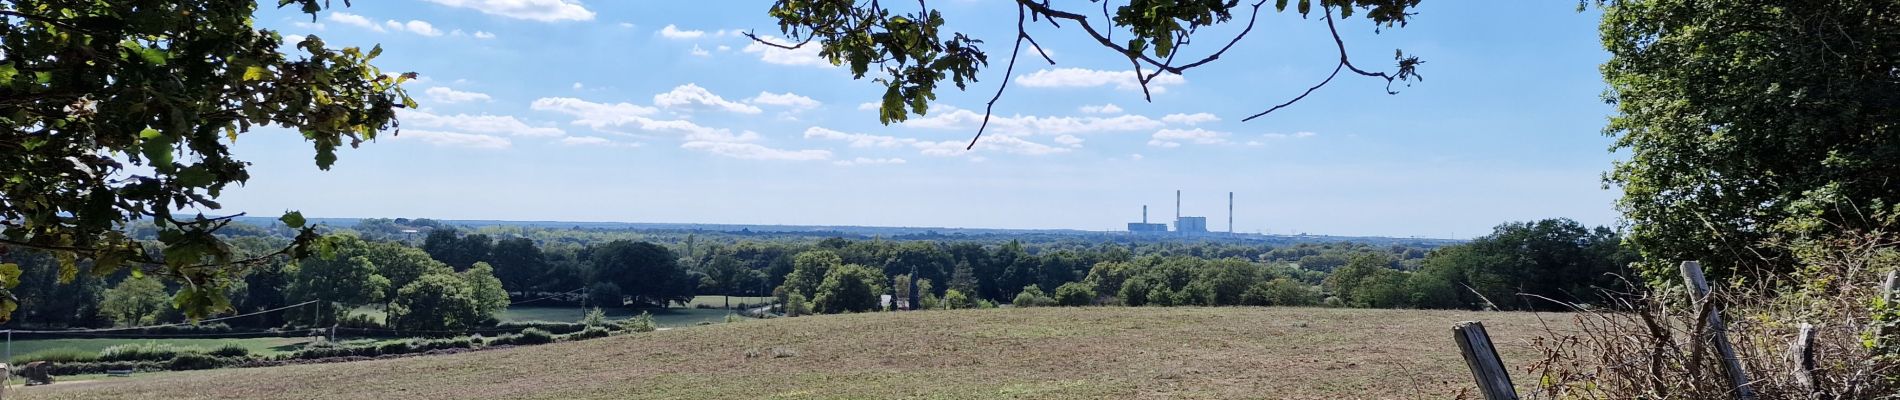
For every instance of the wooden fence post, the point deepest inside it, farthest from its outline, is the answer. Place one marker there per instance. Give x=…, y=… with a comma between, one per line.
x=1802, y=354
x=1717, y=332
x=1493, y=380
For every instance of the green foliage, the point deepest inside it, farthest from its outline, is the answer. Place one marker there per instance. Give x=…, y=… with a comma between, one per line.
x=641, y=323
x=808, y=271
x=56, y=355
x=849, y=288
x=89, y=87
x=606, y=294
x=646, y=272
x=135, y=301
x=1032, y=296
x=1748, y=124
x=230, y=350
x=1281, y=292
x=1075, y=294
x=954, y=299
x=530, y=336
x=489, y=296
x=1555, y=259
x=796, y=305
x=193, y=361
x=148, y=351
x=342, y=281
x=594, y=317
x=440, y=302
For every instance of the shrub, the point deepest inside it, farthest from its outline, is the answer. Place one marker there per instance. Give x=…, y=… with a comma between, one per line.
x=1032, y=296
x=231, y=350
x=191, y=361
x=796, y=305
x=589, y=333
x=56, y=355
x=360, y=321
x=954, y=299
x=642, y=323
x=595, y=317
x=395, y=347
x=100, y=367
x=148, y=351
x=1075, y=294
x=536, y=336
x=550, y=327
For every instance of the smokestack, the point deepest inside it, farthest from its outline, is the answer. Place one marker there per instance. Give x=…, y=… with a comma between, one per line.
x=1144, y=213
x=1177, y=206
x=1230, y=213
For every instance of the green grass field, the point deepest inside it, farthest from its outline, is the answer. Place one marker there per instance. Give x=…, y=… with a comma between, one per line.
x=272, y=345
x=1035, y=353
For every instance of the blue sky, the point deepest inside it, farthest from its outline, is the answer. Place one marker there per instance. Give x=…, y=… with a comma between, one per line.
x=660, y=112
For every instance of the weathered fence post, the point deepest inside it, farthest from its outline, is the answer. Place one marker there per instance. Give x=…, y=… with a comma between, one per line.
x=1802, y=354
x=1717, y=332
x=1493, y=380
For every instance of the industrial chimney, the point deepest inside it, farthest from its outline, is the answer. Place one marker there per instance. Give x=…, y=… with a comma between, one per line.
x=1177, y=206
x=1144, y=213
x=1230, y=213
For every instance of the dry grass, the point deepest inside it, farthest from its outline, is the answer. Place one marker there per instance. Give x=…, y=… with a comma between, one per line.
x=966, y=354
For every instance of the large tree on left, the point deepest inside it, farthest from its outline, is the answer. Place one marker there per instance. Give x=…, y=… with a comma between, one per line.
x=118, y=111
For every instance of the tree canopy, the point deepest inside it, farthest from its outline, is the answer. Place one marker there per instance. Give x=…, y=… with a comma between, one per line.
x=1749, y=123
x=119, y=111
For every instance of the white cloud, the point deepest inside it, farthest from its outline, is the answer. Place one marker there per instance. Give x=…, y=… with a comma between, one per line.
x=724, y=48
x=536, y=10
x=868, y=161
x=579, y=86
x=455, y=139
x=1136, y=156
x=354, y=20
x=603, y=117
x=484, y=35
x=595, y=115
x=293, y=39
x=947, y=117
x=755, y=151
x=868, y=106
x=1102, y=109
x=690, y=96
x=418, y=27
x=787, y=99
x=803, y=56
x=1174, y=137
x=595, y=141
x=1294, y=135
x=948, y=148
x=1083, y=77
x=626, y=25
x=445, y=95
x=674, y=32
x=858, y=139
x=700, y=52
x=1190, y=119
x=484, y=124
x=315, y=26
x=1069, y=140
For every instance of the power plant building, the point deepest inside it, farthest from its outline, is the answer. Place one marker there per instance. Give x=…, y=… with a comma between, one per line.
x=1191, y=225
x=1182, y=225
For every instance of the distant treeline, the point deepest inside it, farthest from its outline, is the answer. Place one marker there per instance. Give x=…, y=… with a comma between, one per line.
x=426, y=274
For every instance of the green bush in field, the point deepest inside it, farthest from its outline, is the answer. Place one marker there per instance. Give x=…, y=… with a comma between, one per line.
x=595, y=317
x=642, y=323
x=1075, y=294
x=1032, y=296
x=589, y=333
x=56, y=355
x=191, y=361
x=796, y=305
x=148, y=351
x=231, y=350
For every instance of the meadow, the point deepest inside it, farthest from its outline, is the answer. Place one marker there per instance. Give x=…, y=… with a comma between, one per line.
x=267, y=345
x=1037, y=353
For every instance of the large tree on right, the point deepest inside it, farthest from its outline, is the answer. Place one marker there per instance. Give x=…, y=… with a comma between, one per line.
x=1752, y=123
